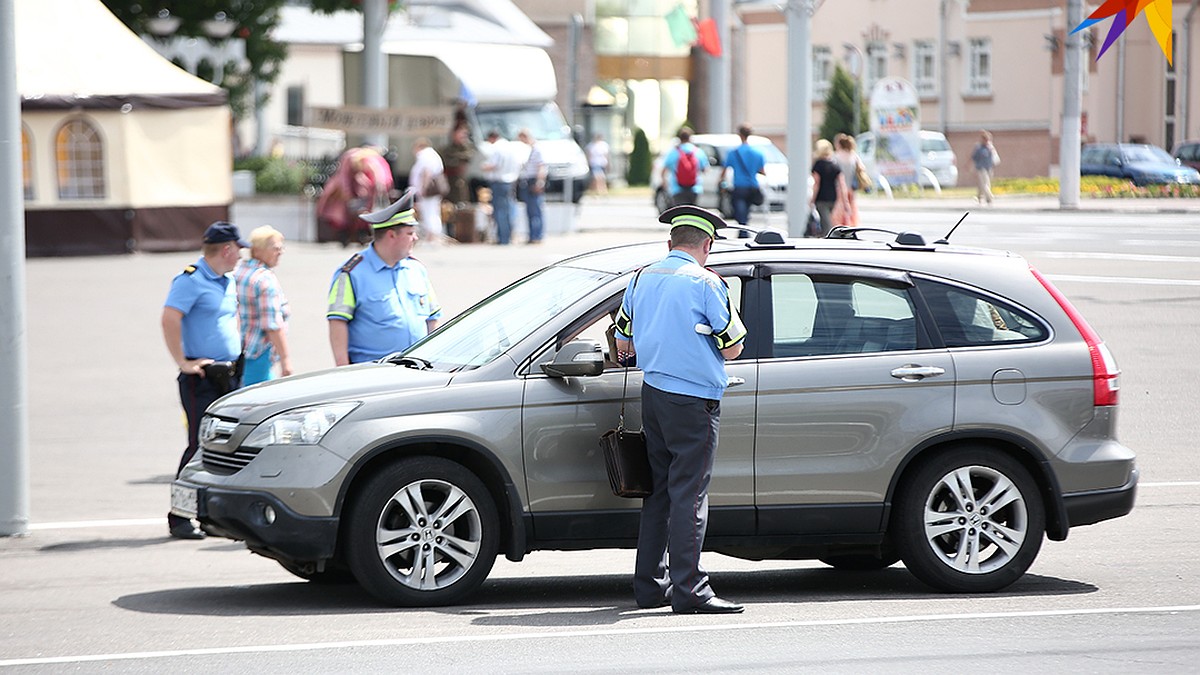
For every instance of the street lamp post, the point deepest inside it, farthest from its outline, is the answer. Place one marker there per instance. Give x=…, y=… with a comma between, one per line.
x=799, y=112
x=855, y=59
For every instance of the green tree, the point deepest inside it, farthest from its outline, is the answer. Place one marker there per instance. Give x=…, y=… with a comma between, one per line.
x=839, y=107
x=253, y=22
x=639, y=160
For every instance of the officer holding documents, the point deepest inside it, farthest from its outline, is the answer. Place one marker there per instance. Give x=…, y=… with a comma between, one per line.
x=381, y=300
x=677, y=317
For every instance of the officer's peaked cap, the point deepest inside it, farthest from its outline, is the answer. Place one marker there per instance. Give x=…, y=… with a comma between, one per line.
x=401, y=212
x=221, y=232
x=693, y=216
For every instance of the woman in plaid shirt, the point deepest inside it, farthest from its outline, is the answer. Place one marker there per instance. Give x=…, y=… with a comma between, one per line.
x=262, y=308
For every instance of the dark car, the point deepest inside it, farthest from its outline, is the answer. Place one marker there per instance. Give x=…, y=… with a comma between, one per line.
x=1137, y=162
x=1187, y=153
x=896, y=400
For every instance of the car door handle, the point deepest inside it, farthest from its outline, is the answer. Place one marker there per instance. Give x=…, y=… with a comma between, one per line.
x=735, y=381
x=917, y=373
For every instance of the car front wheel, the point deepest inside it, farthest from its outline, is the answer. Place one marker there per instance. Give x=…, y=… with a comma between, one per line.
x=662, y=200
x=969, y=521
x=422, y=532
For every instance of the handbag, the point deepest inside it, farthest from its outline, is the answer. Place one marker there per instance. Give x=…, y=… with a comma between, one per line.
x=625, y=458
x=863, y=178
x=756, y=196
x=436, y=186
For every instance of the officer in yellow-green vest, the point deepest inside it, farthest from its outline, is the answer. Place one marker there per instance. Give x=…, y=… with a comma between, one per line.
x=381, y=300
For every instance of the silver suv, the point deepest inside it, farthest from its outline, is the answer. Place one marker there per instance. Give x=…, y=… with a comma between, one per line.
x=896, y=400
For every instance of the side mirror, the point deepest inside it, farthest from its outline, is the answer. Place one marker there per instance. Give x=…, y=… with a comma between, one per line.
x=577, y=358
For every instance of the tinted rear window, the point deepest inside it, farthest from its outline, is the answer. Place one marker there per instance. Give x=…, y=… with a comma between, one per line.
x=968, y=319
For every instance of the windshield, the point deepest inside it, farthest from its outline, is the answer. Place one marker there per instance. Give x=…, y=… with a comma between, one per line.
x=771, y=153
x=934, y=145
x=545, y=122
x=487, y=330
x=1148, y=153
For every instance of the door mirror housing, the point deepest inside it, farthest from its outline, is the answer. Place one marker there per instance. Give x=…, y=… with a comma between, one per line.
x=577, y=358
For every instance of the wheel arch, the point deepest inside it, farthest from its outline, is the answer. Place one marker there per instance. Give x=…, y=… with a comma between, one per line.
x=1018, y=447
x=474, y=457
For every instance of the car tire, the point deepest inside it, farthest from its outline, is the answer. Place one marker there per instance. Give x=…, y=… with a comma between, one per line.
x=662, y=201
x=725, y=204
x=400, y=545
x=330, y=576
x=861, y=562
x=992, y=525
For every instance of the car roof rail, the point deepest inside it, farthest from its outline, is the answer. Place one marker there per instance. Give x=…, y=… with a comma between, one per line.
x=904, y=240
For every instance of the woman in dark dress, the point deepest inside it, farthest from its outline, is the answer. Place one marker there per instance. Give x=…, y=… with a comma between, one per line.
x=829, y=185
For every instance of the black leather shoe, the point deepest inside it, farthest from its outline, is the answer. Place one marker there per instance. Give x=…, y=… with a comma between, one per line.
x=187, y=531
x=655, y=605
x=713, y=605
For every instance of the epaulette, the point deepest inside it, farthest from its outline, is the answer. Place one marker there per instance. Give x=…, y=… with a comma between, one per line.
x=352, y=262
x=189, y=269
x=718, y=275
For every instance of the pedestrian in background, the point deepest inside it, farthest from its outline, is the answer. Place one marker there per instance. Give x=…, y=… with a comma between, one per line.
x=848, y=160
x=381, y=300
x=984, y=158
x=665, y=308
x=531, y=186
x=456, y=158
x=747, y=163
x=200, y=328
x=682, y=169
x=829, y=185
x=597, y=156
x=263, y=309
x=501, y=168
x=428, y=179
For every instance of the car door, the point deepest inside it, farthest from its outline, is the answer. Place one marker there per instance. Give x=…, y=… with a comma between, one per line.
x=850, y=381
x=563, y=418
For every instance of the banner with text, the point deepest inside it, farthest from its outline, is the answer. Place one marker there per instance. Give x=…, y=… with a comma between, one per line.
x=391, y=121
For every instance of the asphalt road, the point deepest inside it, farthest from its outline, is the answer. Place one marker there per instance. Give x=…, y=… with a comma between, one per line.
x=97, y=585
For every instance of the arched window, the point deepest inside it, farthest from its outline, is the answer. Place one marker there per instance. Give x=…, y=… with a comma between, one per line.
x=79, y=152
x=26, y=163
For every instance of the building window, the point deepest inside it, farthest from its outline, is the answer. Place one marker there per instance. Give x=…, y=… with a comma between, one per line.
x=26, y=163
x=877, y=63
x=822, y=74
x=925, y=67
x=979, y=73
x=79, y=154
x=295, y=106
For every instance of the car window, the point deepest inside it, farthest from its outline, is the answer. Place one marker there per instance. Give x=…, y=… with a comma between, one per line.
x=966, y=318
x=934, y=145
x=812, y=317
x=1147, y=153
x=1090, y=156
x=713, y=159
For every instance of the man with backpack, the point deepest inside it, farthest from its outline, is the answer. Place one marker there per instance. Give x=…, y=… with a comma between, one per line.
x=682, y=170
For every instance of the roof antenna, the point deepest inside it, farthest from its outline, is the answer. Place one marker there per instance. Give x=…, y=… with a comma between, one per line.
x=946, y=239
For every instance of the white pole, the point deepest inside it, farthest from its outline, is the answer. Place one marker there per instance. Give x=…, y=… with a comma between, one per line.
x=720, y=72
x=375, y=74
x=1068, y=151
x=799, y=112
x=14, y=405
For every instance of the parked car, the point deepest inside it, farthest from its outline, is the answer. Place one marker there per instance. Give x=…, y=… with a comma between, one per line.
x=1140, y=163
x=936, y=155
x=896, y=400
x=717, y=179
x=1187, y=153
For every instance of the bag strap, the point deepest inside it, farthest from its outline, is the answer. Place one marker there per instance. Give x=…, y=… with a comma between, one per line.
x=625, y=380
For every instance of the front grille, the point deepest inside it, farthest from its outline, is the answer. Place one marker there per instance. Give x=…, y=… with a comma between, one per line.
x=227, y=463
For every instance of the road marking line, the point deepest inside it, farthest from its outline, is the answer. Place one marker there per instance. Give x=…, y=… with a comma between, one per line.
x=609, y=632
x=88, y=524
x=130, y=522
x=1095, y=255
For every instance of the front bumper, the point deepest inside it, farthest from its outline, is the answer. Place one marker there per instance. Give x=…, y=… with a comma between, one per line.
x=241, y=515
x=1086, y=508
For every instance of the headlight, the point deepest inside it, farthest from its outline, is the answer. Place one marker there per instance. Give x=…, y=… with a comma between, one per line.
x=302, y=426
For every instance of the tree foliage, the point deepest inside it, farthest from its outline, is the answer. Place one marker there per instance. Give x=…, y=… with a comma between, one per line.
x=639, y=160
x=254, y=21
x=839, y=107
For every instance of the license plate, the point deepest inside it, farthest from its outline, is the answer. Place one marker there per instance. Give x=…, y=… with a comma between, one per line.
x=184, y=500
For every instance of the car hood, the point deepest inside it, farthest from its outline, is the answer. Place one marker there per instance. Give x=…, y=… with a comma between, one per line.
x=256, y=403
x=777, y=173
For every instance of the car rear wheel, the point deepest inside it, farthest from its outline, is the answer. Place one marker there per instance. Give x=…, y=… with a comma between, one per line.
x=662, y=201
x=422, y=532
x=969, y=521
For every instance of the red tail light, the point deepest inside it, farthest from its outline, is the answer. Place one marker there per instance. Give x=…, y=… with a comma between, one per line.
x=1106, y=383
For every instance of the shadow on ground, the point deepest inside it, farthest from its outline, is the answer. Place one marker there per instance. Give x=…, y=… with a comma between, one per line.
x=557, y=601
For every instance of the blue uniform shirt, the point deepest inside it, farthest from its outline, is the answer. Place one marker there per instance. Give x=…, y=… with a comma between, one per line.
x=660, y=311
x=386, y=307
x=209, y=304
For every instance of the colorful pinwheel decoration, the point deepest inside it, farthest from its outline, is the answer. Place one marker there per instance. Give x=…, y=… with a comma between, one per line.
x=1158, y=15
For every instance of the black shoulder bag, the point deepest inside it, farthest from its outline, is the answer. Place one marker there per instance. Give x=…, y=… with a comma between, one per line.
x=625, y=456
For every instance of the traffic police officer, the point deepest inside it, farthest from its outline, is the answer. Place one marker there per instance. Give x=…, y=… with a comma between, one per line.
x=677, y=317
x=381, y=300
x=200, y=327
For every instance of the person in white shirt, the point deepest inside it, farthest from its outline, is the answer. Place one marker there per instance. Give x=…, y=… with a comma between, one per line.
x=597, y=155
x=531, y=186
x=501, y=166
x=424, y=178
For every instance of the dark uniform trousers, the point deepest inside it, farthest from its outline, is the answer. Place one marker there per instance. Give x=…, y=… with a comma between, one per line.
x=196, y=394
x=681, y=441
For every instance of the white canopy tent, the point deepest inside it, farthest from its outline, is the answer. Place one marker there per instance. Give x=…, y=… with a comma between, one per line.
x=122, y=149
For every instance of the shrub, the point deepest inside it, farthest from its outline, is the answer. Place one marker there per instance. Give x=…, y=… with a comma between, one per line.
x=639, y=160
x=274, y=175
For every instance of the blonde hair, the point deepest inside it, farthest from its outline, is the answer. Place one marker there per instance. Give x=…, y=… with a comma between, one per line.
x=823, y=149
x=262, y=237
